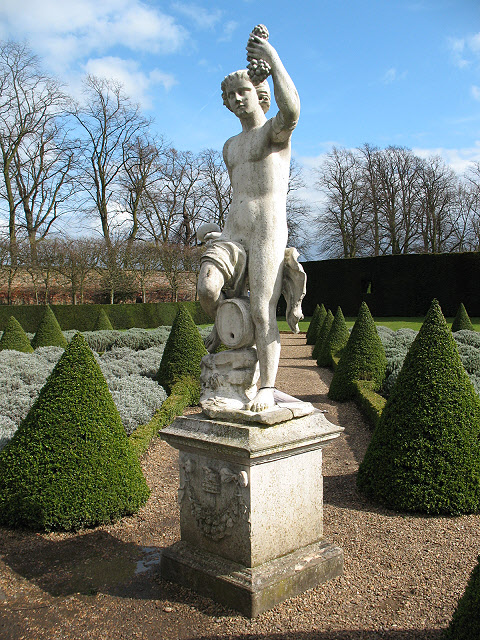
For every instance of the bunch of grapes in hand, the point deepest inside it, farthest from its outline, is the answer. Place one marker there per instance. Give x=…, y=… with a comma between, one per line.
x=258, y=70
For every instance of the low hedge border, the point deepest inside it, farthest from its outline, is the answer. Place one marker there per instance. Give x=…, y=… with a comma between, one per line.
x=185, y=393
x=83, y=317
x=371, y=404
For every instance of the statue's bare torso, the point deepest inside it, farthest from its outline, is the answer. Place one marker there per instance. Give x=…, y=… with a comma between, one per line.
x=258, y=170
x=258, y=162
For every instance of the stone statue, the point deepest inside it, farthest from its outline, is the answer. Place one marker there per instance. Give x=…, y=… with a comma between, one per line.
x=248, y=260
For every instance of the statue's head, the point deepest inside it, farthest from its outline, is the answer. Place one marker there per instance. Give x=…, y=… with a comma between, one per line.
x=262, y=89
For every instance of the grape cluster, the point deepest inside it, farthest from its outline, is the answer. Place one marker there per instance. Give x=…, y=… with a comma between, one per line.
x=261, y=31
x=259, y=70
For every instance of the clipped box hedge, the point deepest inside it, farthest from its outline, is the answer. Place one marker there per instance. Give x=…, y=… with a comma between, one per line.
x=83, y=317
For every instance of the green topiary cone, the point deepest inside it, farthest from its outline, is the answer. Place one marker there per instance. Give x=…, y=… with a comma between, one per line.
x=316, y=322
x=49, y=333
x=183, y=351
x=362, y=359
x=103, y=322
x=462, y=321
x=335, y=341
x=424, y=454
x=322, y=334
x=70, y=464
x=465, y=623
x=15, y=338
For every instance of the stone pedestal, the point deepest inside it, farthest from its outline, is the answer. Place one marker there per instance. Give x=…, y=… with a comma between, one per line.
x=251, y=510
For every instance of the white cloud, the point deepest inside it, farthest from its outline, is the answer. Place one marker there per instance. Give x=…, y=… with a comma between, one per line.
x=391, y=75
x=202, y=18
x=458, y=159
x=228, y=31
x=465, y=50
x=475, y=91
x=65, y=31
x=136, y=83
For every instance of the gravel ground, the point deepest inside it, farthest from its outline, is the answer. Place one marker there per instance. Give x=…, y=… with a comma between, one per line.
x=402, y=577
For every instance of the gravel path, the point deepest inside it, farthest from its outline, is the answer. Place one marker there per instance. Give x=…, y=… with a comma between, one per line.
x=403, y=574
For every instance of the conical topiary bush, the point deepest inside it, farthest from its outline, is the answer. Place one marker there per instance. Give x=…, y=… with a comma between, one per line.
x=70, y=464
x=465, y=623
x=462, y=320
x=362, y=359
x=335, y=341
x=103, y=322
x=424, y=454
x=322, y=334
x=316, y=322
x=15, y=338
x=183, y=351
x=49, y=333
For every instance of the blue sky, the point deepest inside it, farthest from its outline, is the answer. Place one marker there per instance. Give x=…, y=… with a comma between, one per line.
x=386, y=72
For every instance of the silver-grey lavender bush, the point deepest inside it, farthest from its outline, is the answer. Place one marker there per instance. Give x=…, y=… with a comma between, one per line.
x=397, y=343
x=128, y=373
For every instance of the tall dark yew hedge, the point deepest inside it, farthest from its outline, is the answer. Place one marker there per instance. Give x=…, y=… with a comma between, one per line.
x=424, y=455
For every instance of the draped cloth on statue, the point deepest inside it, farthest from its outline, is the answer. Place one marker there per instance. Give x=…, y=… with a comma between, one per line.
x=230, y=258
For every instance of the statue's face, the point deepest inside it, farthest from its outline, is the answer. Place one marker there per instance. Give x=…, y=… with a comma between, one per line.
x=242, y=97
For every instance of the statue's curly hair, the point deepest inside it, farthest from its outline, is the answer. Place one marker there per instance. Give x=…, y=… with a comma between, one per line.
x=262, y=89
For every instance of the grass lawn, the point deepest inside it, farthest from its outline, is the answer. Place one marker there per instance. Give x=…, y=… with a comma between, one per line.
x=393, y=323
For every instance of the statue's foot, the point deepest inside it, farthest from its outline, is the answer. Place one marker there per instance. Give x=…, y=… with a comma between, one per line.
x=212, y=342
x=263, y=400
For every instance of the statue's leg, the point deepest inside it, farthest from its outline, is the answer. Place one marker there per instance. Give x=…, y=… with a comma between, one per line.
x=265, y=277
x=210, y=294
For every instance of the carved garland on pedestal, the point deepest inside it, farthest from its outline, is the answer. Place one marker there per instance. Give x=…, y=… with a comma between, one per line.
x=215, y=523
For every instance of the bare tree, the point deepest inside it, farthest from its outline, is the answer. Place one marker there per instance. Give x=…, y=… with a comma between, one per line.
x=30, y=102
x=116, y=279
x=78, y=259
x=145, y=262
x=438, y=214
x=342, y=223
x=8, y=270
x=172, y=262
x=372, y=194
x=140, y=174
x=217, y=190
x=298, y=211
x=112, y=126
x=44, y=181
x=398, y=173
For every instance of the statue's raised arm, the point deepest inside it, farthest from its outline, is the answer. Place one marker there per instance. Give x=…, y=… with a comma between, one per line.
x=248, y=262
x=286, y=95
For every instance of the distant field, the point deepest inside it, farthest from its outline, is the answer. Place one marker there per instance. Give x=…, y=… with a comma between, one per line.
x=393, y=323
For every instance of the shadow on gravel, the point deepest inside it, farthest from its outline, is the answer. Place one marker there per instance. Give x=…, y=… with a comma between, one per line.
x=360, y=634
x=87, y=564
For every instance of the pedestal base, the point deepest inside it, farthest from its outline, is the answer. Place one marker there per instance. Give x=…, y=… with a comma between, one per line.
x=251, y=590
x=251, y=510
